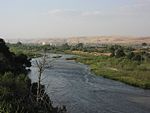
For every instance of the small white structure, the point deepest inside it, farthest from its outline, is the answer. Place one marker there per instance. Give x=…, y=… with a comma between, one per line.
x=43, y=43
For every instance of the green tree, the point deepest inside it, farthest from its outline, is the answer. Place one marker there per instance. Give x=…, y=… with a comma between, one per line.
x=138, y=58
x=130, y=55
x=65, y=46
x=11, y=62
x=79, y=46
x=19, y=43
x=119, y=53
x=144, y=44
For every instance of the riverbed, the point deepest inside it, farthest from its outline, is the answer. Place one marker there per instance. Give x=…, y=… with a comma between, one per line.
x=72, y=84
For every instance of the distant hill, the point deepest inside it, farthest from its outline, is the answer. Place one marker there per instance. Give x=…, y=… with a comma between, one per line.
x=109, y=40
x=90, y=40
x=97, y=40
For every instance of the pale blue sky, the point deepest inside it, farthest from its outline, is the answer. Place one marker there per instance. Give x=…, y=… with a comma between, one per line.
x=65, y=18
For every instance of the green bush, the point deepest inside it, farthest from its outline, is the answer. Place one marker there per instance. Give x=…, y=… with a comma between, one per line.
x=121, y=69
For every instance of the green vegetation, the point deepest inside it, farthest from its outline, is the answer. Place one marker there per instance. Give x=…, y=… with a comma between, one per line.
x=13, y=93
x=31, y=51
x=17, y=94
x=121, y=69
x=12, y=62
x=123, y=65
x=36, y=50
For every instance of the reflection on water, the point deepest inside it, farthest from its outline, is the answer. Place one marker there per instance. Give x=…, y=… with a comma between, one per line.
x=71, y=84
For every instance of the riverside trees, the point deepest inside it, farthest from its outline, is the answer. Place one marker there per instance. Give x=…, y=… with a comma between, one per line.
x=17, y=95
x=11, y=62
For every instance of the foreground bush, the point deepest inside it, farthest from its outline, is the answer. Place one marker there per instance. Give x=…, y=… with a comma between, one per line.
x=17, y=95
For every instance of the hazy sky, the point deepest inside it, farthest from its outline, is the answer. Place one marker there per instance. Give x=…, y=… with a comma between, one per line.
x=65, y=18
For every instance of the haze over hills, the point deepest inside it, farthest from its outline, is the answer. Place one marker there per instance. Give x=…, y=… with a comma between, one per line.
x=95, y=40
x=88, y=40
x=109, y=40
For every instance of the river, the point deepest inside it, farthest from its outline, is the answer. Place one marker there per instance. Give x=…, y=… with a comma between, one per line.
x=72, y=84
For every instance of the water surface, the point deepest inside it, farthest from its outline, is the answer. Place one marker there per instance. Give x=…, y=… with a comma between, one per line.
x=72, y=84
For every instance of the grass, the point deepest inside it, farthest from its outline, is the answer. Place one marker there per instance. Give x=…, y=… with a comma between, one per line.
x=12, y=91
x=120, y=69
x=30, y=51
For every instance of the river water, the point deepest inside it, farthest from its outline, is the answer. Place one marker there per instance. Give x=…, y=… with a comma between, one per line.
x=72, y=84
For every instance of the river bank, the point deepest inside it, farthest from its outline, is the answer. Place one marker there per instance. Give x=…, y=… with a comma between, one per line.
x=120, y=69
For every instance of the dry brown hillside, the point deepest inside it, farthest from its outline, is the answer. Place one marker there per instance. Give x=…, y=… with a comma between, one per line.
x=93, y=40
x=109, y=40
